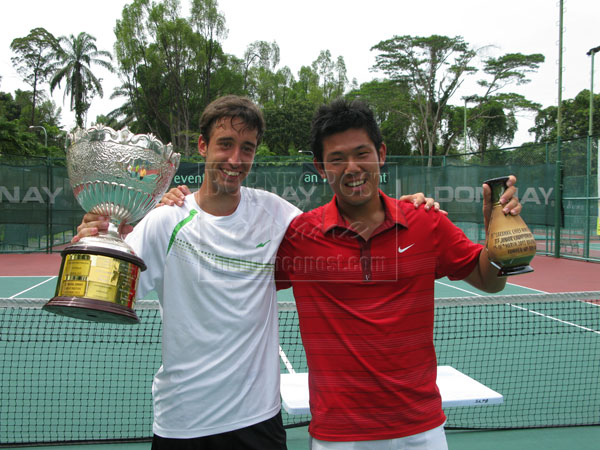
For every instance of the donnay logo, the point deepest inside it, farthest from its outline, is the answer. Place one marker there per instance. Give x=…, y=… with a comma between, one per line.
x=402, y=250
x=262, y=244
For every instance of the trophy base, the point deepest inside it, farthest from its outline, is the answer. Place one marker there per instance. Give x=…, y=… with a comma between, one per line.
x=91, y=310
x=514, y=270
x=97, y=283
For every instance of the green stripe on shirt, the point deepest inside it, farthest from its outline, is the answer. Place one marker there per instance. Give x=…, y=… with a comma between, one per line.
x=179, y=226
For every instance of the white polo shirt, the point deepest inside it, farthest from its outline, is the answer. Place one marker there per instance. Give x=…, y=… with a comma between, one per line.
x=214, y=278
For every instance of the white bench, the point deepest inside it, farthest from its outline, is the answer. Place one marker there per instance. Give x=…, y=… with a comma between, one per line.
x=456, y=388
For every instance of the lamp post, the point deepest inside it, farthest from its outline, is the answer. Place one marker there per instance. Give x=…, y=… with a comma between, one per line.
x=466, y=99
x=586, y=242
x=32, y=127
x=591, y=53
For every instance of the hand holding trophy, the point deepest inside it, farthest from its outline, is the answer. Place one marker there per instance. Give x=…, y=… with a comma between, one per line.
x=510, y=244
x=121, y=176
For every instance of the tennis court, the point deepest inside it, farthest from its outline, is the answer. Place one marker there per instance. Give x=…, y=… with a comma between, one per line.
x=67, y=380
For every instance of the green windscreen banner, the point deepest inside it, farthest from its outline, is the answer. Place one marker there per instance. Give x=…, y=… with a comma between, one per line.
x=37, y=203
x=458, y=189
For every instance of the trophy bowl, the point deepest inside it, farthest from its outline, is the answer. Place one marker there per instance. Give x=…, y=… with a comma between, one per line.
x=510, y=244
x=122, y=176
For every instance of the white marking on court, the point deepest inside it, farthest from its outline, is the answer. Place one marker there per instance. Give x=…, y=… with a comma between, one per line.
x=286, y=361
x=479, y=295
x=558, y=320
x=525, y=287
x=32, y=287
x=459, y=289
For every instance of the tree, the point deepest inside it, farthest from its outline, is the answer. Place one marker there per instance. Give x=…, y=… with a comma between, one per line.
x=492, y=125
x=15, y=136
x=172, y=67
x=575, y=119
x=433, y=69
x=77, y=55
x=391, y=104
x=261, y=82
x=307, y=86
x=288, y=126
x=259, y=54
x=35, y=60
x=210, y=24
x=332, y=74
x=492, y=122
x=173, y=61
x=46, y=112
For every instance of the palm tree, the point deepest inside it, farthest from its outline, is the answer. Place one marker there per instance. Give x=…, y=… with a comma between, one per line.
x=76, y=57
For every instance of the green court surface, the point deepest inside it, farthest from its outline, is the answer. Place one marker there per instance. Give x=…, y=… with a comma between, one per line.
x=554, y=438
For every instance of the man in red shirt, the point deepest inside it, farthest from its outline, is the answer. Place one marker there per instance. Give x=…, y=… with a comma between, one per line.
x=362, y=269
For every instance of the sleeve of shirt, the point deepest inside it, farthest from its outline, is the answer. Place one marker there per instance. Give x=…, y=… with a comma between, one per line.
x=149, y=243
x=457, y=255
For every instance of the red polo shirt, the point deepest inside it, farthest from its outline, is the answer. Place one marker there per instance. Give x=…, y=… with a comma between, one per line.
x=366, y=314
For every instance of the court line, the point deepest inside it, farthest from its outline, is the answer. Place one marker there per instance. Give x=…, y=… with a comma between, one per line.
x=32, y=287
x=459, y=289
x=286, y=361
x=480, y=295
x=525, y=287
x=558, y=320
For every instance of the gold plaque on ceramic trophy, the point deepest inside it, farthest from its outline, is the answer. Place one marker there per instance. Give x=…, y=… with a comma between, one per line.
x=510, y=244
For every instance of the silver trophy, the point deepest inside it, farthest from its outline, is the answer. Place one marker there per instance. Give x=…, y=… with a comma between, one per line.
x=122, y=176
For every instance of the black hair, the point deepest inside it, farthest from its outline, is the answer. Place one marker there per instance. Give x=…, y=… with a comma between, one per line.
x=341, y=115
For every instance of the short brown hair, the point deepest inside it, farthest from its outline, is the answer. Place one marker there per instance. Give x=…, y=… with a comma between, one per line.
x=232, y=106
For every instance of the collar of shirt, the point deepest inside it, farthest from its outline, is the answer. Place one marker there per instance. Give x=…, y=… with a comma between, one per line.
x=332, y=218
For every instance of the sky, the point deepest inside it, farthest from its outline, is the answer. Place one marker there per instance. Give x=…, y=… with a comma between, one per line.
x=347, y=28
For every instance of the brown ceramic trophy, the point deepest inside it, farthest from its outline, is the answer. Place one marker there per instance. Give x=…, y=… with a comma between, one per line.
x=121, y=176
x=510, y=244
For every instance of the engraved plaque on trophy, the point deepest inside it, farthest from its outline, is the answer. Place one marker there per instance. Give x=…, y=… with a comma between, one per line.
x=122, y=176
x=510, y=244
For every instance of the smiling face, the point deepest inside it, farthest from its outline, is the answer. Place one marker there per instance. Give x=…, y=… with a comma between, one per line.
x=352, y=166
x=229, y=155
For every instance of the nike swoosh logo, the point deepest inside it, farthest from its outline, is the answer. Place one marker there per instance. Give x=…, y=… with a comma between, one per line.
x=262, y=244
x=402, y=250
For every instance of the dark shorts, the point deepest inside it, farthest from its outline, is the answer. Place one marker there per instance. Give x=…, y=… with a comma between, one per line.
x=267, y=435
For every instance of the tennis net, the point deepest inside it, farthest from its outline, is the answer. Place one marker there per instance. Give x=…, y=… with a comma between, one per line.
x=65, y=380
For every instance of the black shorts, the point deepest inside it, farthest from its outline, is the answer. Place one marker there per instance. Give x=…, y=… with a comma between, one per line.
x=267, y=435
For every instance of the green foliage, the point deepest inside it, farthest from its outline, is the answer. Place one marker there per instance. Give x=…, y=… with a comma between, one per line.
x=9, y=109
x=393, y=109
x=172, y=66
x=16, y=138
x=15, y=141
x=288, y=126
x=34, y=60
x=76, y=56
x=432, y=68
x=45, y=113
x=575, y=119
